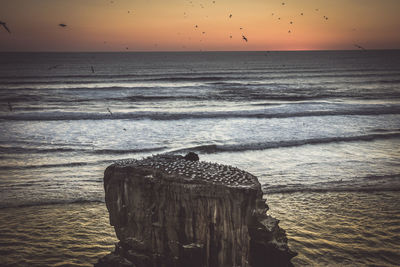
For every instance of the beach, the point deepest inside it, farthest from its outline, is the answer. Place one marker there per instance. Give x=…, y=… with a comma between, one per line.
x=319, y=129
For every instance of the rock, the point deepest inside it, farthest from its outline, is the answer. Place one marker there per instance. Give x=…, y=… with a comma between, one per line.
x=192, y=156
x=172, y=211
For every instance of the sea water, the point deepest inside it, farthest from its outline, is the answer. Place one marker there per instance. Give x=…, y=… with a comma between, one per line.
x=321, y=131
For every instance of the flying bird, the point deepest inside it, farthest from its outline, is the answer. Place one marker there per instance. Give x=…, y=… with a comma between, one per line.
x=230, y=16
x=92, y=69
x=301, y=14
x=359, y=46
x=62, y=25
x=5, y=26
x=109, y=111
x=54, y=67
x=244, y=38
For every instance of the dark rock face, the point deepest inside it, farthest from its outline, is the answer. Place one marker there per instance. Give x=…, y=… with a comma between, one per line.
x=172, y=211
x=192, y=156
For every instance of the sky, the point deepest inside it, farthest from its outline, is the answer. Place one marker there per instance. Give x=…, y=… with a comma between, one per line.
x=170, y=25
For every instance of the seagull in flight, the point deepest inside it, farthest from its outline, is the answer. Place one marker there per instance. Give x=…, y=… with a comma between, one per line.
x=5, y=26
x=244, y=38
x=62, y=25
x=359, y=46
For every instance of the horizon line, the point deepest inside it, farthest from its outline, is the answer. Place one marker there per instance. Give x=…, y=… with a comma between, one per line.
x=206, y=51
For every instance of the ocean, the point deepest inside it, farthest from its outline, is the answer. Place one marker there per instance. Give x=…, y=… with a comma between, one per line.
x=320, y=130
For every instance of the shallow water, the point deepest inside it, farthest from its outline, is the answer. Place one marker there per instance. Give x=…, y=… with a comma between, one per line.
x=55, y=235
x=340, y=229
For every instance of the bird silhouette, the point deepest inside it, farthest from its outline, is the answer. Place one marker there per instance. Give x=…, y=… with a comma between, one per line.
x=230, y=16
x=92, y=69
x=5, y=26
x=62, y=25
x=109, y=111
x=359, y=46
x=244, y=38
x=54, y=67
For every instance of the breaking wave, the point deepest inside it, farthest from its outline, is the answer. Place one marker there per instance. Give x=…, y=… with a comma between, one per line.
x=55, y=116
x=208, y=149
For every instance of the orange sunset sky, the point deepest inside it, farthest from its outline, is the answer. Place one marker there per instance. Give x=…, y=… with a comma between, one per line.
x=170, y=25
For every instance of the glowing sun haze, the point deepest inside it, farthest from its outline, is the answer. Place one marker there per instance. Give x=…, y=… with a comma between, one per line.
x=170, y=25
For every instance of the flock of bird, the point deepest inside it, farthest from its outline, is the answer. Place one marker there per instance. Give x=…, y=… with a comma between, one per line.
x=244, y=38
x=199, y=171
